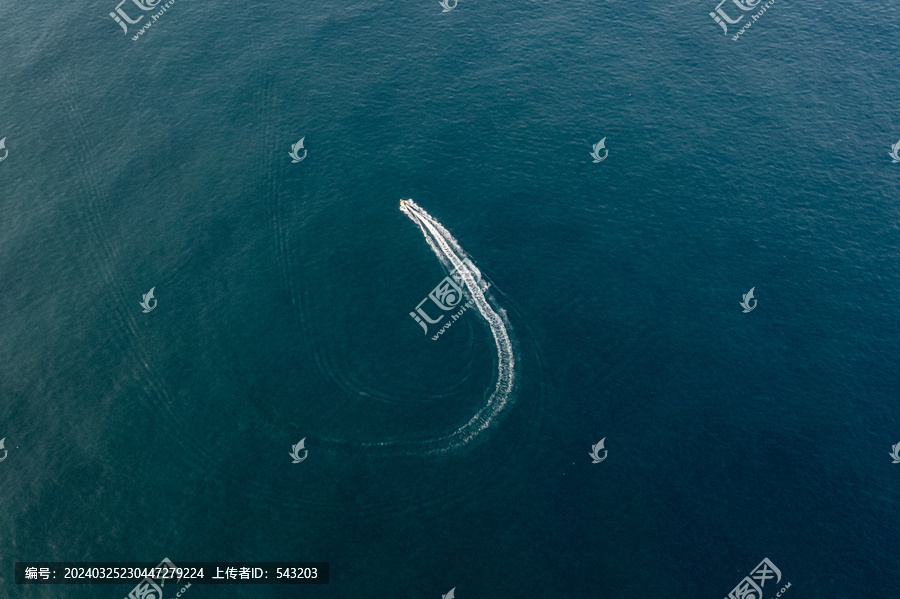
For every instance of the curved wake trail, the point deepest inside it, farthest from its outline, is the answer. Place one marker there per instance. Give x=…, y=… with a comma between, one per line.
x=452, y=256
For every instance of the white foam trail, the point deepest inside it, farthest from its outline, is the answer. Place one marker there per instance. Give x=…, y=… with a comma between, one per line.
x=452, y=256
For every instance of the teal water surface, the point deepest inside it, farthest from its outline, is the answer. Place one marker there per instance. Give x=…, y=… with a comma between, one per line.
x=285, y=290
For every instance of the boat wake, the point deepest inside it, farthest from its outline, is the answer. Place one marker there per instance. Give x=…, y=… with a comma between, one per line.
x=453, y=257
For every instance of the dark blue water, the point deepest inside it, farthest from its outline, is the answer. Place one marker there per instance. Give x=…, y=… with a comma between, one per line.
x=284, y=292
